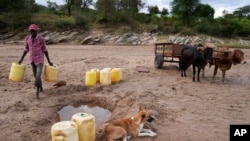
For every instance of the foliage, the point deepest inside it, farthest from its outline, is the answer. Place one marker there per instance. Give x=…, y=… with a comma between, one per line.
x=204, y=11
x=16, y=6
x=244, y=27
x=243, y=12
x=143, y=18
x=132, y=7
x=52, y=6
x=86, y=3
x=164, y=12
x=184, y=9
x=220, y=27
x=105, y=10
x=117, y=11
x=53, y=22
x=15, y=14
x=3, y=24
x=187, y=17
x=153, y=10
x=80, y=21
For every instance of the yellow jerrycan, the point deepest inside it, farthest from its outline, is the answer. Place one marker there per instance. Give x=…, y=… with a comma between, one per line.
x=17, y=72
x=90, y=78
x=64, y=131
x=105, y=76
x=97, y=71
x=116, y=75
x=86, y=126
x=50, y=73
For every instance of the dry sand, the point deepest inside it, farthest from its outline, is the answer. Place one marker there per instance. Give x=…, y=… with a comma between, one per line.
x=184, y=110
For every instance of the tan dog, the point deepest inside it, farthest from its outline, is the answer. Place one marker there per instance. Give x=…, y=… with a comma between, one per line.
x=121, y=128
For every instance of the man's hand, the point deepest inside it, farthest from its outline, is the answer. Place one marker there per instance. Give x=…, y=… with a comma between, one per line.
x=50, y=63
x=19, y=62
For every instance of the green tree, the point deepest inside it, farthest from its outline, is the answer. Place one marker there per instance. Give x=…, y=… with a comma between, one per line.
x=184, y=9
x=52, y=5
x=164, y=11
x=224, y=12
x=16, y=6
x=204, y=11
x=81, y=4
x=153, y=10
x=69, y=4
x=86, y=3
x=132, y=7
x=106, y=10
x=16, y=13
x=243, y=12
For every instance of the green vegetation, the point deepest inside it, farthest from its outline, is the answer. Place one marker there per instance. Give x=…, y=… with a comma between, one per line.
x=234, y=46
x=185, y=17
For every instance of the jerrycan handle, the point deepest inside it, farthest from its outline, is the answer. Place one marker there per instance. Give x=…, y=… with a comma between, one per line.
x=54, y=65
x=59, y=138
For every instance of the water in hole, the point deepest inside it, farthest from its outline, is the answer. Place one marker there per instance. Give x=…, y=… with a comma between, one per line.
x=101, y=115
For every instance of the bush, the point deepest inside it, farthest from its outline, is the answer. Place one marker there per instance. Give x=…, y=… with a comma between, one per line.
x=176, y=28
x=53, y=22
x=80, y=21
x=64, y=24
x=220, y=29
x=15, y=21
x=244, y=29
x=143, y=18
x=3, y=24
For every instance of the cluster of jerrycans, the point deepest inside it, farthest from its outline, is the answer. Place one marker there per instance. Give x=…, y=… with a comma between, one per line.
x=81, y=127
x=105, y=76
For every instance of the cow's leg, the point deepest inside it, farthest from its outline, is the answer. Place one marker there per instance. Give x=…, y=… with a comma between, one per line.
x=223, y=76
x=203, y=72
x=185, y=75
x=198, y=75
x=179, y=64
x=194, y=72
x=183, y=71
x=184, y=67
x=215, y=71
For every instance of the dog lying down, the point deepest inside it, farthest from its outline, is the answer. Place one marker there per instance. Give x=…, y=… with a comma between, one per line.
x=125, y=127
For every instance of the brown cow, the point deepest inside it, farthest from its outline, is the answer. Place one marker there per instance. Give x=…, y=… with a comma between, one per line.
x=225, y=59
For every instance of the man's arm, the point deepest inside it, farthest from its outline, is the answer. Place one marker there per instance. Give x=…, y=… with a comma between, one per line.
x=24, y=54
x=47, y=56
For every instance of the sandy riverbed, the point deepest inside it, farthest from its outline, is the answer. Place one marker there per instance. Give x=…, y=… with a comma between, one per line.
x=184, y=110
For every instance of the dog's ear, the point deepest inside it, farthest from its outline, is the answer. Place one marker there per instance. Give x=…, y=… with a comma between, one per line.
x=143, y=116
x=141, y=108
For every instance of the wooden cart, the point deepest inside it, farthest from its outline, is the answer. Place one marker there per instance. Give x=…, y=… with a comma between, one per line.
x=167, y=52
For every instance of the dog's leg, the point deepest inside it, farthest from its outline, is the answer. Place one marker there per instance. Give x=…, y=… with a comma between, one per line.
x=115, y=132
x=129, y=137
x=124, y=139
x=147, y=132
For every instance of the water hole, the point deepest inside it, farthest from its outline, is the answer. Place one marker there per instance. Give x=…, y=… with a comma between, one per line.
x=101, y=115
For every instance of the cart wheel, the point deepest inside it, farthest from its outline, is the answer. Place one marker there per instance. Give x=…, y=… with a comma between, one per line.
x=158, y=61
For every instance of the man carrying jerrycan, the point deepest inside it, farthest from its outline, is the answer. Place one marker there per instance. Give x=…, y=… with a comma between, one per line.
x=35, y=45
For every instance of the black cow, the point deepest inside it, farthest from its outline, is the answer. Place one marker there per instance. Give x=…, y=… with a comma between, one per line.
x=198, y=57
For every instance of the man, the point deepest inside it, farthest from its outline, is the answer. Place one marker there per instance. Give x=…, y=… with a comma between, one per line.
x=35, y=45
